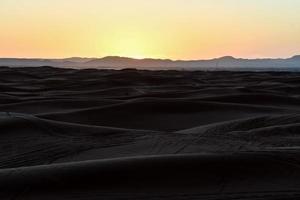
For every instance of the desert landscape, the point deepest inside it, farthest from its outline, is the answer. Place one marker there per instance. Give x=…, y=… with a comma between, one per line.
x=138, y=134
x=150, y=100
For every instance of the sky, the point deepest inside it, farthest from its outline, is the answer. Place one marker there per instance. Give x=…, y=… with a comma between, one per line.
x=175, y=29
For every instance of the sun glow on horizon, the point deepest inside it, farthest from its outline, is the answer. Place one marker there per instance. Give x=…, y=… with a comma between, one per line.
x=174, y=29
x=131, y=44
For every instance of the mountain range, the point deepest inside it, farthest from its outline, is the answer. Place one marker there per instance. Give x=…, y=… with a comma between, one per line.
x=115, y=62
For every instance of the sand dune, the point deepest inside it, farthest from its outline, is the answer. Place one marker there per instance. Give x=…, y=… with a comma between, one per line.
x=205, y=175
x=159, y=114
x=132, y=134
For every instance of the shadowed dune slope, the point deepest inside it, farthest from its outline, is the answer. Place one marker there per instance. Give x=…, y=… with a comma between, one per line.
x=138, y=134
x=206, y=175
x=160, y=114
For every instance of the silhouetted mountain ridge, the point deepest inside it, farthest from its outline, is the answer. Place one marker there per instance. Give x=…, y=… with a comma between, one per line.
x=296, y=57
x=117, y=62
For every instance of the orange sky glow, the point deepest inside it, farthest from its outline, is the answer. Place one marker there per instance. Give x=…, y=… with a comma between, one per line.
x=176, y=29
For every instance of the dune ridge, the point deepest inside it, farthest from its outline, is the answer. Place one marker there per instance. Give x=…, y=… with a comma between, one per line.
x=138, y=134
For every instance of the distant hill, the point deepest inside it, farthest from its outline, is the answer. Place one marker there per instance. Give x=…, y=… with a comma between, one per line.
x=115, y=62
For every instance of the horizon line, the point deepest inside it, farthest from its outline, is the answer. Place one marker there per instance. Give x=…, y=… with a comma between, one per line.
x=151, y=58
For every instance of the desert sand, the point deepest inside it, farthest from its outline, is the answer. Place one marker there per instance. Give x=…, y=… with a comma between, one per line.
x=137, y=134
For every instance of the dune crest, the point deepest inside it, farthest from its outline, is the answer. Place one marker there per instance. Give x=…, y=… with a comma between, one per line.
x=138, y=134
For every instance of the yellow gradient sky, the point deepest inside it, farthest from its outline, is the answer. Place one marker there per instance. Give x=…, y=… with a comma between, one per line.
x=176, y=29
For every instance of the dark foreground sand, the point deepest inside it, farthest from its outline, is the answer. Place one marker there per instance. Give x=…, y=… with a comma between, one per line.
x=104, y=134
